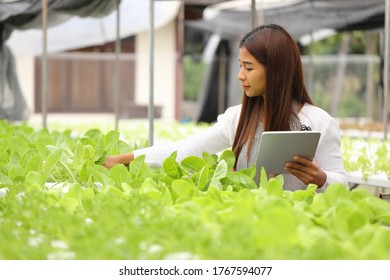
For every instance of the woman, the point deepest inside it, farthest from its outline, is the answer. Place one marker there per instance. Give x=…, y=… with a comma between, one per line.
x=274, y=99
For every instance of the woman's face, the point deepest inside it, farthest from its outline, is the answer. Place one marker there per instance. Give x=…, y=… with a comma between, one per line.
x=252, y=74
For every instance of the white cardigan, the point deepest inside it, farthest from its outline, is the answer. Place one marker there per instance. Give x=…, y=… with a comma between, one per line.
x=220, y=136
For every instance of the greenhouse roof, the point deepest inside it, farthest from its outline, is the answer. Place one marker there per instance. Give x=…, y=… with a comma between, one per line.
x=301, y=17
x=76, y=23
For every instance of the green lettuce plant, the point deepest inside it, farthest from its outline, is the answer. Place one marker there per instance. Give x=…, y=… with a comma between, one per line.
x=58, y=202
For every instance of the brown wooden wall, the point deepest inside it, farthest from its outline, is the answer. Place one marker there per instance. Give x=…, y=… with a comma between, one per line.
x=83, y=81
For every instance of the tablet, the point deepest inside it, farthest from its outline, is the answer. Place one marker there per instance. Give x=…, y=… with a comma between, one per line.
x=278, y=147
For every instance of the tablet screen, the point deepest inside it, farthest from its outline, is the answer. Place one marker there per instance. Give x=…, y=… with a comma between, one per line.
x=278, y=147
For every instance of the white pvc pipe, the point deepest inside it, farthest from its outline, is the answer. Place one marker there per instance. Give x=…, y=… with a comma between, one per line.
x=44, y=63
x=386, y=67
x=117, y=67
x=151, y=73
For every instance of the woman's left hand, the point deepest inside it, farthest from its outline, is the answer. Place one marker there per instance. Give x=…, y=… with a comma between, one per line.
x=307, y=171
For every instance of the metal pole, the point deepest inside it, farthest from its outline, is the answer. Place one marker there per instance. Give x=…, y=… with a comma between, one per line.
x=151, y=72
x=253, y=14
x=386, y=68
x=44, y=63
x=117, y=67
x=261, y=20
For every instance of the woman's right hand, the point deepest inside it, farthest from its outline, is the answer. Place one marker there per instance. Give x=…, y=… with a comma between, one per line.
x=110, y=162
x=118, y=159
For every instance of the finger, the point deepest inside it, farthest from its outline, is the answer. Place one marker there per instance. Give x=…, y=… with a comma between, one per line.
x=302, y=160
x=295, y=169
x=296, y=166
x=303, y=171
x=301, y=175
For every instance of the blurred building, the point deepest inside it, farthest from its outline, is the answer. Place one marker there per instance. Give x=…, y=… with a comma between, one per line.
x=81, y=60
x=81, y=50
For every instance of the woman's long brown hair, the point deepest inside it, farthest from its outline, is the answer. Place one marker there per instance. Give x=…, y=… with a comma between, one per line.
x=272, y=46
